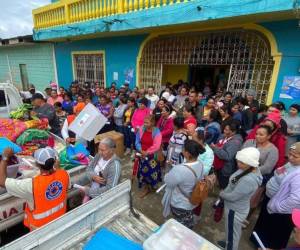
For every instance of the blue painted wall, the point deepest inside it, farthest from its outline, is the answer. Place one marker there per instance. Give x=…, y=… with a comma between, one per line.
x=120, y=55
x=287, y=34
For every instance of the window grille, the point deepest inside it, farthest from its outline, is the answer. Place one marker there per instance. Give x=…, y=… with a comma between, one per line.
x=89, y=67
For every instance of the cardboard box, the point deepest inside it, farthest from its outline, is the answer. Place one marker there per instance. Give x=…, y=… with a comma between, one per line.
x=117, y=137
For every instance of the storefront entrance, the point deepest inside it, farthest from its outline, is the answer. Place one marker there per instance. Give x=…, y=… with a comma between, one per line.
x=241, y=58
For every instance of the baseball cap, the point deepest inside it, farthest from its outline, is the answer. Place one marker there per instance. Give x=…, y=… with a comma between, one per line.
x=43, y=154
x=296, y=217
x=37, y=96
x=296, y=147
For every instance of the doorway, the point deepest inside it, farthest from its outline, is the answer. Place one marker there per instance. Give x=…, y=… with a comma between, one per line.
x=246, y=52
x=217, y=75
x=24, y=76
x=173, y=73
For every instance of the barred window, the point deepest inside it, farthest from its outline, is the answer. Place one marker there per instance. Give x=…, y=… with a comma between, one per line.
x=89, y=67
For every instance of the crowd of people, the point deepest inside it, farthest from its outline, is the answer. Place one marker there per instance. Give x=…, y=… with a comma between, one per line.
x=180, y=135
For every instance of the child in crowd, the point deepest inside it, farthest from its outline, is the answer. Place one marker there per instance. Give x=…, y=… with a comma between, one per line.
x=68, y=104
x=60, y=113
x=176, y=143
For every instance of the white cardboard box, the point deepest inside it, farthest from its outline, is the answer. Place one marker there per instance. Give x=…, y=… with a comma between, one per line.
x=88, y=122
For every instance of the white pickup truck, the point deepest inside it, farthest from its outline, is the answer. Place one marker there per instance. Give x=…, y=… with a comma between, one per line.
x=11, y=208
x=10, y=99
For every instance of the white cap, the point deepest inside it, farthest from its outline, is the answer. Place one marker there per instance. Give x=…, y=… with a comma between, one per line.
x=168, y=96
x=43, y=154
x=249, y=156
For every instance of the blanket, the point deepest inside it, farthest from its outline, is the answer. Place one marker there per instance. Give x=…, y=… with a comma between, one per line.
x=30, y=147
x=32, y=134
x=73, y=156
x=12, y=128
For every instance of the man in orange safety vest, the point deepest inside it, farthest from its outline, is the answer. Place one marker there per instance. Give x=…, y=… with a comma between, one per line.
x=45, y=194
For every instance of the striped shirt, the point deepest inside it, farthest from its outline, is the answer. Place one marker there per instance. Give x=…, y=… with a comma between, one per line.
x=175, y=148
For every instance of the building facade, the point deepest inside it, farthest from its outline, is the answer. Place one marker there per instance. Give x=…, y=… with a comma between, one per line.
x=25, y=62
x=235, y=44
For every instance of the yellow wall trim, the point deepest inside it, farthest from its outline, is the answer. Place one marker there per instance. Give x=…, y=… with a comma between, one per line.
x=247, y=26
x=90, y=52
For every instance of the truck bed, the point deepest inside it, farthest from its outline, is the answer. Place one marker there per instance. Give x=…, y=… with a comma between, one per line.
x=127, y=225
x=111, y=209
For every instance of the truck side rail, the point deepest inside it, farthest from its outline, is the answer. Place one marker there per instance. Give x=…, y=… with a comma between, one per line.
x=79, y=223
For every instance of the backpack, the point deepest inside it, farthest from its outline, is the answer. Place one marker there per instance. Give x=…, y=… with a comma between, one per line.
x=200, y=190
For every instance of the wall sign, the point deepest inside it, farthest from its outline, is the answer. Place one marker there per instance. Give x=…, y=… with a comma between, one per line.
x=290, y=88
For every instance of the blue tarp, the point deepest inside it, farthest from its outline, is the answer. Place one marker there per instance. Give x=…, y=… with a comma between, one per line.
x=5, y=143
x=107, y=240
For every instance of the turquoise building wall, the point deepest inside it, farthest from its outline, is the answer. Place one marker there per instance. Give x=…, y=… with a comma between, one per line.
x=175, y=14
x=120, y=56
x=287, y=35
x=38, y=59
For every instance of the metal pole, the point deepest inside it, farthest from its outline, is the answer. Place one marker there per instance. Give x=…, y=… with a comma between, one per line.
x=229, y=78
x=9, y=70
x=6, y=100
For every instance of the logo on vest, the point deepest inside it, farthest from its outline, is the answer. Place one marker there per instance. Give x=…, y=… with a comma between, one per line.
x=54, y=190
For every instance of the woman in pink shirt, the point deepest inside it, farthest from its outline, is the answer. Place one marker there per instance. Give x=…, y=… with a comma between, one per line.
x=54, y=98
x=140, y=113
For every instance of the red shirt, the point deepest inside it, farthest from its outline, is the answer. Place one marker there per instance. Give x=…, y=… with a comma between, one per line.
x=190, y=120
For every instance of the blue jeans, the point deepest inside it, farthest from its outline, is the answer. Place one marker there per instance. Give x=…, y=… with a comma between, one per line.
x=129, y=137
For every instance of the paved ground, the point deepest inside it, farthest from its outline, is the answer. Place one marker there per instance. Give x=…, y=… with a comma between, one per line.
x=151, y=207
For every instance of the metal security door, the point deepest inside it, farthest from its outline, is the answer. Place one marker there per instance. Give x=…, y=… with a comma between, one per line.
x=247, y=51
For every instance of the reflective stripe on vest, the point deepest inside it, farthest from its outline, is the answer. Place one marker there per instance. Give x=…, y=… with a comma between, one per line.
x=48, y=212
